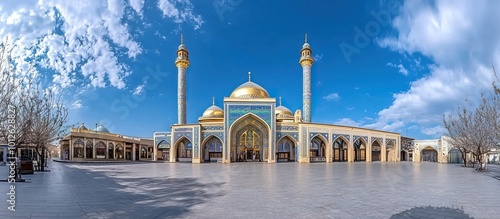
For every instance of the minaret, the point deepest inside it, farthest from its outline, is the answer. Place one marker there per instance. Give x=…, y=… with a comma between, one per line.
x=306, y=61
x=182, y=63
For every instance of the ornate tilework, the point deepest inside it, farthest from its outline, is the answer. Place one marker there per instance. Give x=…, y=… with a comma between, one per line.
x=356, y=137
x=294, y=135
x=335, y=136
x=303, y=146
x=236, y=111
x=213, y=128
x=206, y=135
x=182, y=129
x=178, y=135
x=196, y=143
x=312, y=134
x=287, y=128
x=387, y=140
x=376, y=138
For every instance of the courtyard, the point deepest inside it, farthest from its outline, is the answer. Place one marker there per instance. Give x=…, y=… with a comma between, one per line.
x=255, y=190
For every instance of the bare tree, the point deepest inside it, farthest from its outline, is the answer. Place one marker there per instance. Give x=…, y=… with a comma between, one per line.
x=476, y=132
x=48, y=118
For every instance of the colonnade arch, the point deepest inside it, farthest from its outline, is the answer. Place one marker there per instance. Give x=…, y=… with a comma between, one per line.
x=182, y=150
x=317, y=148
x=340, y=149
x=376, y=150
x=211, y=149
x=285, y=149
x=360, y=150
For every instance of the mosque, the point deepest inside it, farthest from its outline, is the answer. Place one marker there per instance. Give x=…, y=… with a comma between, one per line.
x=250, y=127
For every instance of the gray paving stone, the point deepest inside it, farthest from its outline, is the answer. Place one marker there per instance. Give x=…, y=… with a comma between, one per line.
x=256, y=190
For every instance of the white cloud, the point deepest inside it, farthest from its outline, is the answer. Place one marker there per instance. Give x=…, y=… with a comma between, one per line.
x=433, y=131
x=77, y=104
x=137, y=6
x=180, y=11
x=401, y=68
x=318, y=57
x=138, y=90
x=332, y=97
x=459, y=38
x=348, y=122
x=81, y=41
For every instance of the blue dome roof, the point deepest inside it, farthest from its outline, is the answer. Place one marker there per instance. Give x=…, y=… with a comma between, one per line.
x=102, y=129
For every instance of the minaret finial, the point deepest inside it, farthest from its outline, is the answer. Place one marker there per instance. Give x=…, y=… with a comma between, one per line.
x=306, y=38
x=249, y=76
x=182, y=38
x=213, y=101
x=280, y=101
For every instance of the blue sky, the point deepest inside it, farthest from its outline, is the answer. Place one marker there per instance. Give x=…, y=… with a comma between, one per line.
x=390, y=65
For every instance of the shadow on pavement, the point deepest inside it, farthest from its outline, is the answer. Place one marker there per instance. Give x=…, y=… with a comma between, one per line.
x=431, y=212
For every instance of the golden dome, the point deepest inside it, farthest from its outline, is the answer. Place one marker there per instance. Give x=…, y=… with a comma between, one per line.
x=249, y=90
x=212, y=113
x=283, y=113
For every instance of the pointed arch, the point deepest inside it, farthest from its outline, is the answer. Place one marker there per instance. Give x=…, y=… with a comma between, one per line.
x=111, y=150
x=234, y=150
x=340, y=149
x=376, y=150
x=89, y=149
x=390, y=150
x=211, y=148
x=317, y=148
x=429, y=153
x=182, y=150
x=100, y=149
x=78, y=147
x=285, y=148
x=360, y=146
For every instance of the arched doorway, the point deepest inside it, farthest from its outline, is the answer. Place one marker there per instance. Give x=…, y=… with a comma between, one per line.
x=339, y=150
x=359, y=150
x=429, y=154
x=78, y=149
x=163, y=150
x=212, y=149
x=249, y=139
x=111, y=149
x=389, y=151
x=89, y=149
x=317, y=149
x=285, y=149
x=403, y=156
x=376, y=150
x=100, y=150
x=183, y=149
x=454, y=156
x=120, y=152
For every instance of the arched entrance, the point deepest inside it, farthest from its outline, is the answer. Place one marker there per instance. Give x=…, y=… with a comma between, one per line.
x=429, y=154
x=360, y=150
x=285, y=149
x=389, y=151
x=403, y=156
x=317, y=149
x=183, y=149
x=454, y=156
x=249, y=139
x=212, y=149
x=376, y=150
x=339, y=150
x=163, y=150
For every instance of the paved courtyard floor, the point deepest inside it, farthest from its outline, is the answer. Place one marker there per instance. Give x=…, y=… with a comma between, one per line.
x=254, y=190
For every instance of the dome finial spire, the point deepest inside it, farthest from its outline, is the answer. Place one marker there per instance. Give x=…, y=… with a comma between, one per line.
x=280, y=101
x=249, y=76
x=213, y=101
x=305, y=39
x=182, y=38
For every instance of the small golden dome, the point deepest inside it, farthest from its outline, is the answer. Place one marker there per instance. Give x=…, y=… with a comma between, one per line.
x=283, y=113
x=249, y=90
x=213, y=114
